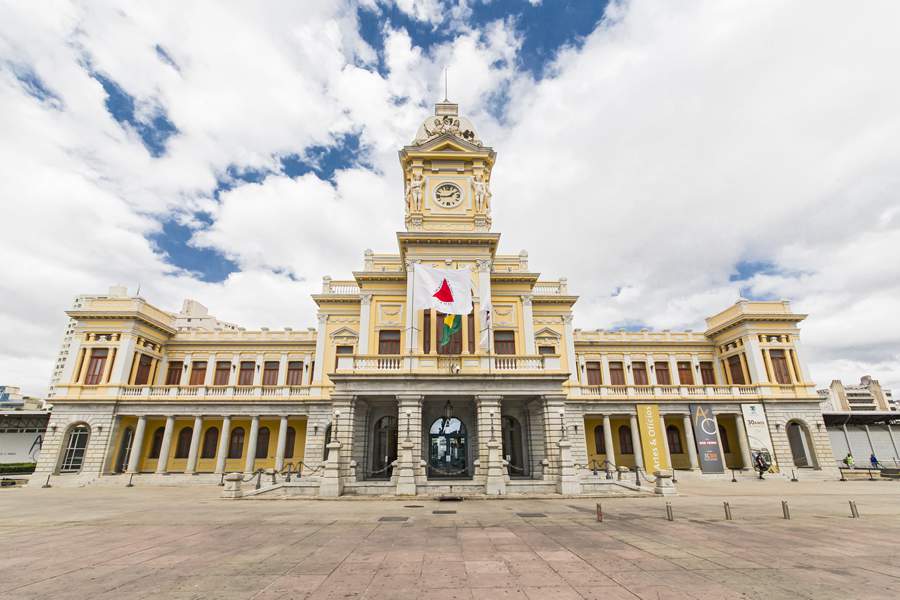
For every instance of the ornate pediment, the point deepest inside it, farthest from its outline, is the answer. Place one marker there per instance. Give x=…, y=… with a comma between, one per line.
x=547, y=336
x=344, y=335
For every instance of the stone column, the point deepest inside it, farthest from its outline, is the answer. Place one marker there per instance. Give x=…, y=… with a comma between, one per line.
x=343, y=417
x=608, y=442
x=604, y=369
x=250, y=463
x=754, y=357
x=487, y=409
x=137, y=443
x=195, y=445
x=484, y=299
x=210, y=376
x=570, y=350
x=163, y=461
x=636, y=441
x=365, y=310
x=124, y=358
x=222, y=452
x=893, y=441
x=412, y=343
x=409, y=411
x=282, y=442
x=282, y=369
x=568, y=479
x=554, y=432
x=528, y=319
x=743, y=442
x=321, y=337
x=674, y=375
x=690, y=443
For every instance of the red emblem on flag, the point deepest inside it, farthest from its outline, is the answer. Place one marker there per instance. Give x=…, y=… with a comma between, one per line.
x=444, y=294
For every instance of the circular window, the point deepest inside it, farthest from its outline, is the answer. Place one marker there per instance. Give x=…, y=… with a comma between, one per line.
x=447, y=195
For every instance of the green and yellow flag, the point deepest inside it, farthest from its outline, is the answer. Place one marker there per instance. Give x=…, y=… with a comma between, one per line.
x=452, y=324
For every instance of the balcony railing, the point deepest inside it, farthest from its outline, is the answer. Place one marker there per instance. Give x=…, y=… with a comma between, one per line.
x=463, y=363
x=690, y=392
x=215, y=392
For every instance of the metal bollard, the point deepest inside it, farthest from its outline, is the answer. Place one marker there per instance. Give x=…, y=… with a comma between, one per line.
x=673, y=476
x=785, y=509
x=47, y=483
x=794, y=476
x=599, y=513
x=222, y=479
x=288, y=477
x=130, y=479
x=854, y=512
x=733, y=478
x=637, y=476
x=274, y=472
x=259, y=479
x=727, y=511
x=669, y=514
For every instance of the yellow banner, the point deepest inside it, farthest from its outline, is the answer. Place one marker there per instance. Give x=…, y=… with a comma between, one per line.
x=652, y=443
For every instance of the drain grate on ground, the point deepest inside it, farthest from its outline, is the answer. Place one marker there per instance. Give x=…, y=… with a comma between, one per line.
x=393, y=519
x=530, y=515
x=443, y=512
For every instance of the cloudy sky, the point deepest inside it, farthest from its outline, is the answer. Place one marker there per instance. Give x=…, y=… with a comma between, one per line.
x=667, y=157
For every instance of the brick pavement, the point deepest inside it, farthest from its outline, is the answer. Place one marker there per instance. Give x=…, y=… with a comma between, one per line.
x=182, y=543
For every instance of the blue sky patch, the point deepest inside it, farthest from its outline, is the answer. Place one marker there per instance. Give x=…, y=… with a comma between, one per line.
x=629, y=325
x=345, y=153
x=35, y=87
x=747, y=269
x=208, y=264
x=121, y=106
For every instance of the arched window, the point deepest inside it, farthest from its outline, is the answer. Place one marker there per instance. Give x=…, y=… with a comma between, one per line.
x=156, y=443
x=625, y=440
x=384, y=446
x=262, y=443
x=513, y=446
x=236, y=443
x=289, y=440
x=76, y=444
x=599, y=440
x=210, y=441
x=726, y=447
x=674, y=438
x=183, y=447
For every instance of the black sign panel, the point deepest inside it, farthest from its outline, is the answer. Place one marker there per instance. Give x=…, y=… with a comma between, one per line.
x=706, y=434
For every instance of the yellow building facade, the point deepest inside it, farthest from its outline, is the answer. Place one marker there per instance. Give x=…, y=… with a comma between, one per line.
x=369, y=401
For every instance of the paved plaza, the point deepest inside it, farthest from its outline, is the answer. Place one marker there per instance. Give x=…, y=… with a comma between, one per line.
x=158, y=542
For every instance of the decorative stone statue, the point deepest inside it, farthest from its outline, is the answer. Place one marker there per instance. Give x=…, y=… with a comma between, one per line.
x=482, y=193
x=414, y=194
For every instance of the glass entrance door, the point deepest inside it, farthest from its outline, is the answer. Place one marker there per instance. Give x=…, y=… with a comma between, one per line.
x=385, y=448
x=448, y=454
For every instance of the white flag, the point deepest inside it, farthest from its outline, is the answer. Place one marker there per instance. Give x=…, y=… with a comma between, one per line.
x=449, y=291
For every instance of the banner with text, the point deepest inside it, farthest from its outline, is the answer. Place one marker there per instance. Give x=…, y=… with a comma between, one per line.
x=707, y=439
x=655, y=458
x=757, y=426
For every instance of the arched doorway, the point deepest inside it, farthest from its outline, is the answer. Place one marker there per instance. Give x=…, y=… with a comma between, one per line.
x=801, y=445
x=384, y=450
x=124, y=450
x=513, y=448
x=448, y=449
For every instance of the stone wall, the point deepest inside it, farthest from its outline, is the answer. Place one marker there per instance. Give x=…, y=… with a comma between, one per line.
x=100, y=419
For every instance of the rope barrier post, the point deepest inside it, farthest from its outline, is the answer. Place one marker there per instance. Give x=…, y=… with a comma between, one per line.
x=47, y=483
x=786, y=510
x=599, y=513
x=637, y=476
x=854, y=512
x=259, y=479
x=727, y=511
x=842, y=475
x=673, y=476
x=288, y=477
x=274, y=477
x=669, y=514
x=733, y=478
x=130, y=478
x=794, y=476
x=222, y=479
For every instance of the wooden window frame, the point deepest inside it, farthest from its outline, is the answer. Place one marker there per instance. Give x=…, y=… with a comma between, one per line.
x=389, y=346
x=501, y=347
x=246, y=366
x=294, y=373
x=662, y=373
x=639, y=372
x=594, y=370
x=96, y=366
x=173, y=373
x=616, y=369
x=685, y=367
x=198, y=375
x=270, y=372
x=223, y=367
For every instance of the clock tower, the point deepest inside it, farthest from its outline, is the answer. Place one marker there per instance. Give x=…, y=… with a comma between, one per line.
x=447, y=175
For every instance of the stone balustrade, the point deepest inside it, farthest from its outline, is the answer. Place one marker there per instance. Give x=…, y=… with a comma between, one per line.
x=690, y=392
x=457, y=364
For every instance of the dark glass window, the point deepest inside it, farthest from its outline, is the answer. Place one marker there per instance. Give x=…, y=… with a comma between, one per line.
x=599, y=440
x=289, y=441
x=625, y=444
x=262, y=443
x=734, y=368
x=210, y=441
x=156, y=443
x=183, y=447
x=236, y=443
x=142, y=377
x=674, y=438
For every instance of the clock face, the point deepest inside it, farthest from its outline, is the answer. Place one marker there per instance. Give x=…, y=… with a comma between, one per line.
x=447, y=195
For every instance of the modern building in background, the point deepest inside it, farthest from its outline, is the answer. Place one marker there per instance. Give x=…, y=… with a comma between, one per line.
x=862, y=420
x=23, y=423
x=372, y=402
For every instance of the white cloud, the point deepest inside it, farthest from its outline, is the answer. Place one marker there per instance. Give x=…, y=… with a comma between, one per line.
x=677, y=141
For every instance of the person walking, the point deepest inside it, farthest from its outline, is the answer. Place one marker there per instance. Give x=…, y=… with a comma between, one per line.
x=874, y=460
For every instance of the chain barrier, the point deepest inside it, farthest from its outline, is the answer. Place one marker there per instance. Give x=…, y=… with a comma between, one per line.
x=440, y=471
